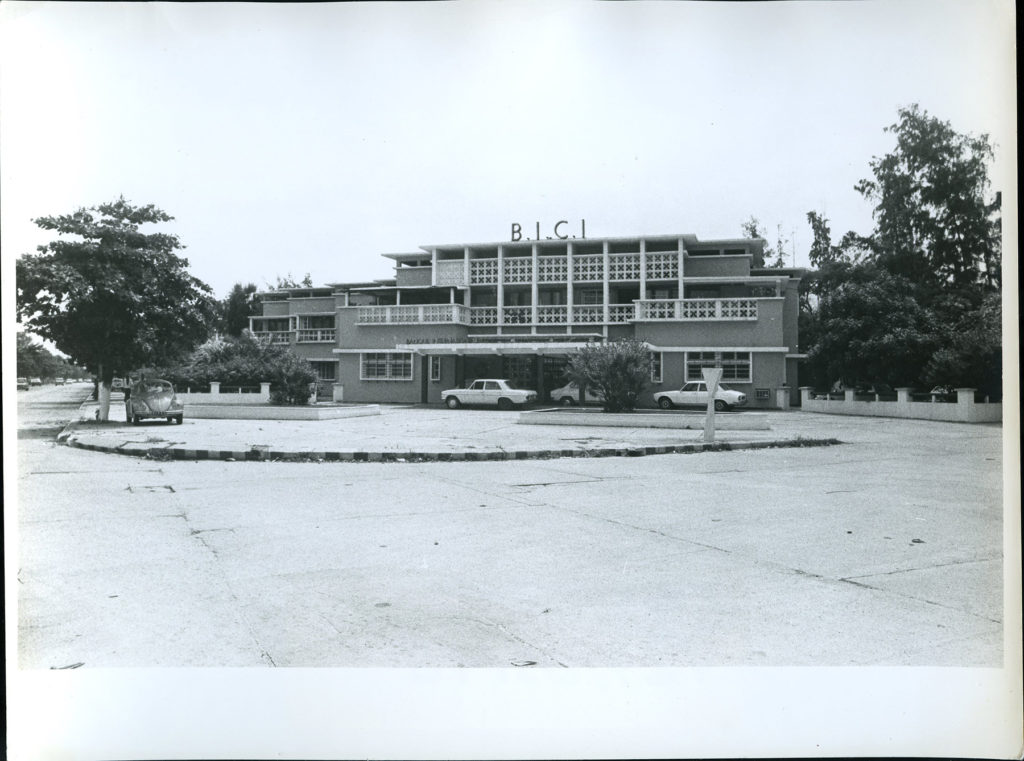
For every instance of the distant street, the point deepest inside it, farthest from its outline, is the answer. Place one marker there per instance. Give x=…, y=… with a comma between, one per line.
x=886, y=550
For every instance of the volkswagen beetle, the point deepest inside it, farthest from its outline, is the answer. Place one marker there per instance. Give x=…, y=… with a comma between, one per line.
x=153, y=399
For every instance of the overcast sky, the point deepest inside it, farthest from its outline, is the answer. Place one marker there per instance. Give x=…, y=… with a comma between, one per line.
x=294, y=139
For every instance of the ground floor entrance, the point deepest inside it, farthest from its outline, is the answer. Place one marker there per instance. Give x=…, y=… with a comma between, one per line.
x=542, y=373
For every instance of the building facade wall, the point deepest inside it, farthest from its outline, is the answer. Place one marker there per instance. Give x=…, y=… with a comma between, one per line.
x=459, y=304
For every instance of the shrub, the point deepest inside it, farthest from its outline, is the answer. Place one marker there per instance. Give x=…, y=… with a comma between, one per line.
x=618, y=370
x=246, y=361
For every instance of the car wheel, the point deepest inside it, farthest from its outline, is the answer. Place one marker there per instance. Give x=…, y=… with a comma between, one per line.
x=504, y=404
x=452, y=402
x=180, y=419
x=665, y=403
x=720, y=406
x=566, y=401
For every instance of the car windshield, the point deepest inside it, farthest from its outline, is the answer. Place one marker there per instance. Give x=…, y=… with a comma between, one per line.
x=724, y=387
x=153, y=387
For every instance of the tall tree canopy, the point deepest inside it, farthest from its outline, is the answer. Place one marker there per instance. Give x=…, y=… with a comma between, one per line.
x=109, y=296
x=916, y=302
x=933, y=221
x=235, y=309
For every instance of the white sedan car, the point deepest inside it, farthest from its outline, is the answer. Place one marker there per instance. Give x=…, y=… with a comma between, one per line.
x=488, y=391
x=696, y=393
x=570, y=394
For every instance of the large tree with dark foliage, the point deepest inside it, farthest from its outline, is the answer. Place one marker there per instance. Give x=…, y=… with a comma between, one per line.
x=110, y=296
x=916, y=302
x=236, y=308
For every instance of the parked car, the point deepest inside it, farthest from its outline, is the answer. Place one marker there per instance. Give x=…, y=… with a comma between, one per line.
x=22, y=384
x=570, y=394
x=696, y=393
x=489, y=391
x=153, y=399
x=58, y=381
x=36, y=381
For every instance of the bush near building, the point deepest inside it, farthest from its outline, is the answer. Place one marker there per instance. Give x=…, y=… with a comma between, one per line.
x=618, y=370
x=246, y=361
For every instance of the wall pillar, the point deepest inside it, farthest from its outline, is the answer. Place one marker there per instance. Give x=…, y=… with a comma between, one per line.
x=501, y=289
x=782, y=398
x=265, y=391
x=214, y=387
x=534, y=290
x=848, y=394
x=805, y=393
x=568, y=288
x=965, y=404
x=903, y=395
x=643, y=268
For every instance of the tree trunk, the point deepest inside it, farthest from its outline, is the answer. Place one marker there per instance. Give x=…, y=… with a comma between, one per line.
x=104, y=395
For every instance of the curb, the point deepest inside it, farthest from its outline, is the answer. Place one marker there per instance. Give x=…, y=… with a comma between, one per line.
x=461, y=455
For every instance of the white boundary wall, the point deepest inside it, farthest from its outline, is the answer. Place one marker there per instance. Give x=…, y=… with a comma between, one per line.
x=964, y=410
x=216, y=397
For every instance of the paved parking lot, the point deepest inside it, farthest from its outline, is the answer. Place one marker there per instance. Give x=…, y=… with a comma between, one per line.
x=886, y=549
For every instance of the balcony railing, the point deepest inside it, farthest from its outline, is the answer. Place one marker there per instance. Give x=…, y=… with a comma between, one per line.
x=451, y=272
x=316, y=336
x=517, y=315
x=696, y=309
x=483, y=316
x=274, y=336
x=677, y=310
x=418, y=313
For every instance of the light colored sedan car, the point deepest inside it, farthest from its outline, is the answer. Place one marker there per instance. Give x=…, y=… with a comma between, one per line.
x=489, y=391
x=152, y=399
x=570, y=394
x=696, y=393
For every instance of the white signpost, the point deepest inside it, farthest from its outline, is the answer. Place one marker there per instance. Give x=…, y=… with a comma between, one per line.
x=712, y=375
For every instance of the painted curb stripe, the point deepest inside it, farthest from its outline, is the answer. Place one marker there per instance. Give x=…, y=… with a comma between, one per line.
x=254, y=455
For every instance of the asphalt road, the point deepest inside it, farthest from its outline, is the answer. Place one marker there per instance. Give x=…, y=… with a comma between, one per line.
x=886, y=550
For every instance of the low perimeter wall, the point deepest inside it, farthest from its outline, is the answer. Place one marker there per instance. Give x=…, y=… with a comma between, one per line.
x=271, y=412
x=216, y=397
x=964, y=410
x=746, y=421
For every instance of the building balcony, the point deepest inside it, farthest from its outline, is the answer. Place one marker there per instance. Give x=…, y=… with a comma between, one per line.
x=274, y=336
x=677, y=310
x=420, y=314
x=316, y=336
x=648, y=310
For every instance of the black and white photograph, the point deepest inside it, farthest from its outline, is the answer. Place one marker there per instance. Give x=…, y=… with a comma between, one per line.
x=518, y=379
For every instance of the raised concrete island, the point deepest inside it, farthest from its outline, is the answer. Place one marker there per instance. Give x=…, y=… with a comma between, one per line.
x=274, y=412
x=747, y=421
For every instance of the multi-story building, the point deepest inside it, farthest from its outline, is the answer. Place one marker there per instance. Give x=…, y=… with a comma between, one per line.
x=519, y=309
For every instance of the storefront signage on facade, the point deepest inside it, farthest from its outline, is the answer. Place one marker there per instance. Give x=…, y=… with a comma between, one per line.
x=558, y=230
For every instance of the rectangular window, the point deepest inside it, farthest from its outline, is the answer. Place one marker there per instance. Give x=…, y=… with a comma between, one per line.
x=655, y=367
x=735, y=364
x=325, y=371
x=435, y=369
x=761, y=393
x=386, y=365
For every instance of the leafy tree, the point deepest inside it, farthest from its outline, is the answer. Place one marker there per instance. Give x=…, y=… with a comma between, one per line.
x=870, y=327
x=935, y=252
x=618, y=370
x=236, y=308
x=752, y=229
x=109, y=296
x=246, y=361
x=280, y=283
x=933, y=223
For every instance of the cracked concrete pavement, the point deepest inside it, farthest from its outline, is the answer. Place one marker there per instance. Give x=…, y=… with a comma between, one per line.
x=886, y=550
